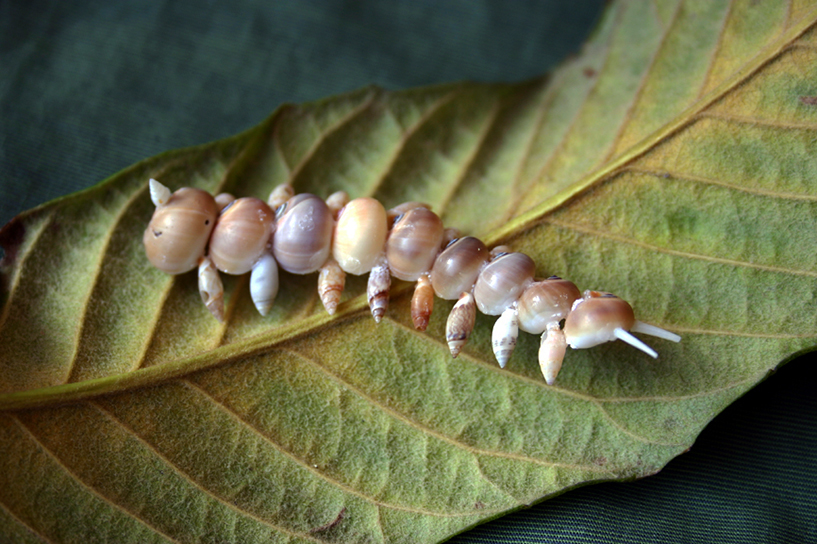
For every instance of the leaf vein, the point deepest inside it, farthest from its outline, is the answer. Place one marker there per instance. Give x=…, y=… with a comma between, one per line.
x=710, y=181
x=25, y=525
x=289, y=532
x=96, y=272
x=406, y=135
x=305, y=465
x=433, y=432
x=28, y=432
x=343, y=121
x=639, y=93
x=677, y=253
x=715, y=51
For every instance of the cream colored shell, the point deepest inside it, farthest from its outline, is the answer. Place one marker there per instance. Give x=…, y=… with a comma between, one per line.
x=177, y=234
x=595, y=318
x=241, y=235
x=360, y=235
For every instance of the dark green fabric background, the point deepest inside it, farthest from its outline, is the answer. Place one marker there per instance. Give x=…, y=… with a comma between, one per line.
x=89, y=87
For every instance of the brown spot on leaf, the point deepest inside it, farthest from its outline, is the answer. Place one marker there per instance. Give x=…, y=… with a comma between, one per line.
x=589, y=72
x=332, y=523
x=809, y=100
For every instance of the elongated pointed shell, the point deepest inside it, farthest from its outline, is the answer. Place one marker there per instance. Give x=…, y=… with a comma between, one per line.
x=179, y=229
x=414, y=243
x=594, y=319
x=504, y=335
x=303, y=237
x=211, y=289
x=460, y=323
x=502, y=281
x=546, y=302
x=264, y=283
x=331, y=279
x=457, y=267
x=360, y=235
x=422, y=303
x=378, y=287
x=241, y=235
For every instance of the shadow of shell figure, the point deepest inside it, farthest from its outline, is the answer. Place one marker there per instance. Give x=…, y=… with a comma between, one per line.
x=304, y=234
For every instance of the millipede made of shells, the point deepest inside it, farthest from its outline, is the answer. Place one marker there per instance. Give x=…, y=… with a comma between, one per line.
x=303, y=234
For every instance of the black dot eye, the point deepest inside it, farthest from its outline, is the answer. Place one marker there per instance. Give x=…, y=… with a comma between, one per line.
x=206, y=221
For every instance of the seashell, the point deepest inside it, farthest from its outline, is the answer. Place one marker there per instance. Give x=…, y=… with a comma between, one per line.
x=546, y=302
x=377, y=290
x=279, y=196
x=241, y=235
x=211, y=289
x=303, y=237
x=552, y=353
x=360, y=235
x=504, y=335
x=223, y=200
x=331, y=280
x=413, y=243
x=600, y=317
x=457, y=267
x=401, y=209
x=177, y=234
x=336, y=201
x=460, y=323
x=264, y=283
x=422, y=303
x=501, y=282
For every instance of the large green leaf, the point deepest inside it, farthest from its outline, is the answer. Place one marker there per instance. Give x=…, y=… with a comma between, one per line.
x=670, y=163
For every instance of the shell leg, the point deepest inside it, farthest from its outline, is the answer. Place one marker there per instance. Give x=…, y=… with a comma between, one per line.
x=460, y=323
x=422, y=302
x=552, y=353
x=625, y=336
x=264, y=283
x=652, y=330
x=504, y=335
x=377, y=289
x=280, y=195
x=211, y=288
x=331, y=280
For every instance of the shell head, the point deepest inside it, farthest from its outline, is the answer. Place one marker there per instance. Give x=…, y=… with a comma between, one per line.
x=177, y=234
x=594, y=319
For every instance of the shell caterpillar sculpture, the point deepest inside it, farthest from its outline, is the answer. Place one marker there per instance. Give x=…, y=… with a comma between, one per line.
x=303, y=234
